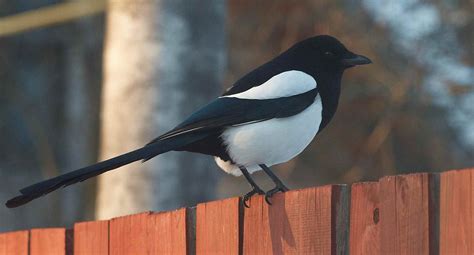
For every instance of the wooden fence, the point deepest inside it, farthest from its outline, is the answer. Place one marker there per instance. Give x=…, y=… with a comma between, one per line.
x=407, y=214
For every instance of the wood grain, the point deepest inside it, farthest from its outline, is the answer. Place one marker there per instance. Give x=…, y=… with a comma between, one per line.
x=91, y=237
x=217, y=227
x=364, y=219
x=407, y=214
x=456, y=212
x=48, y=241
x=309, y=221
x=14, y=243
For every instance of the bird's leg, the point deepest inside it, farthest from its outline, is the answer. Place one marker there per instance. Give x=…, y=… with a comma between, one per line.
x=256, y=189
x=280, y=187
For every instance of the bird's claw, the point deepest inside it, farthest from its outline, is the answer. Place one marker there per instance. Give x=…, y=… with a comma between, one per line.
x=270, y=193
x=250, y=194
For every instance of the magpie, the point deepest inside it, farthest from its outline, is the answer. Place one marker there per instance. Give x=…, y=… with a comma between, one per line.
x=267, y=117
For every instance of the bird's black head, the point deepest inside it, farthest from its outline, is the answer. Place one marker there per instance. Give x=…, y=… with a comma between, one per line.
x=325, y=53
x=325, y=58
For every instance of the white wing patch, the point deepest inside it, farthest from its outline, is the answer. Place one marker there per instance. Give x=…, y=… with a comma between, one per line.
x=286, y=84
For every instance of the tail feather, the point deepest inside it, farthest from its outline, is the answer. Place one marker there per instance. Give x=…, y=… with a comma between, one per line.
x=149, y=151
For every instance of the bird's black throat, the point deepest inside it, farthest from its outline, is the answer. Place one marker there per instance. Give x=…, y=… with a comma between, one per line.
x=330, y=90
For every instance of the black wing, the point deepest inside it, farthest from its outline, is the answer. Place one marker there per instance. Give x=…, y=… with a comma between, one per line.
x=228, y=111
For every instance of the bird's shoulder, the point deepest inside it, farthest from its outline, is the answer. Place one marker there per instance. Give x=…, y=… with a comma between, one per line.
x=279, y=68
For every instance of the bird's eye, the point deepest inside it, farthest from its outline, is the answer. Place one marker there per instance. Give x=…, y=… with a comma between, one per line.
x=329, y=53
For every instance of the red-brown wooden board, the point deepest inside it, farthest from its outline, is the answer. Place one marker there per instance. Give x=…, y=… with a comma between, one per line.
x=127, y=234
x=309, y=221
x=407, y=212
x=217, y=227
x=457, y=212
x=48, y=241
x=364, y=219
x=14, y=243
x=167, y=232
x=91, y=238
x=149, y=233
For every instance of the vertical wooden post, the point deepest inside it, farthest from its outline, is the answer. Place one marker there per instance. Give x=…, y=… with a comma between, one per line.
x=14, y=243
x=218, y=227
x=91, y=238
x=457, y=212
x=309, y=221
x=48, y=241
x=408, y=214
x=364, y=219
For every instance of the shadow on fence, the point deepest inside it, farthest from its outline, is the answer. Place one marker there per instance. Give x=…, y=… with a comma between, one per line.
x=407, y=214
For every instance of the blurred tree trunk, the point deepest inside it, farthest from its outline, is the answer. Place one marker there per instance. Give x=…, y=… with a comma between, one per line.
x=162, y=60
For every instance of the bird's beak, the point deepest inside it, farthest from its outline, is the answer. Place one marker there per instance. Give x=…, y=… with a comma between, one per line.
x=355, y=60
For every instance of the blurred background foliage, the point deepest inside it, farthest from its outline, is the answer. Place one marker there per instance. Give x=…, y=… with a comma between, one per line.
x=411, y=110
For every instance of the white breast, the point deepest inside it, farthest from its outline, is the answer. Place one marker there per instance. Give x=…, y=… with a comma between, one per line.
x=271, y=142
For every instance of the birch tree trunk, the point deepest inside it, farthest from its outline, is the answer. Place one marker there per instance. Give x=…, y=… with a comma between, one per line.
x=163, y=59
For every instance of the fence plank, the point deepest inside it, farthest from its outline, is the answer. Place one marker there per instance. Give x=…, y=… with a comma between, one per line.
x=91, y=237
x=456, y=212
x=14, y=243
x=167, y=232
x=309, y=221
x=48, y=241
x=126, y=234
x=149, y=233
x=364, y=229
x=217, y=227
x=407, y=210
